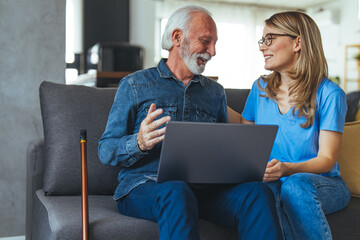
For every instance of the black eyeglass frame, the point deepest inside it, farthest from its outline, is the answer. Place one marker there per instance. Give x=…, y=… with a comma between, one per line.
x=268, y=41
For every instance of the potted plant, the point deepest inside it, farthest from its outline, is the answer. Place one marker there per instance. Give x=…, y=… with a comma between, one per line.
x=357, y=57
x=335, y=79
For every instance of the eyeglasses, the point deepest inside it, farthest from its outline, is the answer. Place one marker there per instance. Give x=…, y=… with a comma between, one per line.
x=267, y=40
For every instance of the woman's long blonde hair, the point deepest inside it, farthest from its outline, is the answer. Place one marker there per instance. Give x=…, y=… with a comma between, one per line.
x=310, y=68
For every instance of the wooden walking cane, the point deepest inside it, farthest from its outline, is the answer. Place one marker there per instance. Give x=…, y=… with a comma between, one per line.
x=84, y=189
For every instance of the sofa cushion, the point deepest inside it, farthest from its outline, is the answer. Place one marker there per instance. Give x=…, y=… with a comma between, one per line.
x=349, y=157
x=65, y=110
x=357, y=116
x=345, y=224
x=59, y=217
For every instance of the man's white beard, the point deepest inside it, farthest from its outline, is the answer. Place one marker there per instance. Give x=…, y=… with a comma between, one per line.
x=191, y=60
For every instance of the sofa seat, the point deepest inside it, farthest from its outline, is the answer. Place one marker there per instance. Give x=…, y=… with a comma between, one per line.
x=60, y=218
x=345, y=224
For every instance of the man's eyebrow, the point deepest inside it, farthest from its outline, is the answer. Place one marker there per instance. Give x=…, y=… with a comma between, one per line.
x=208, y=38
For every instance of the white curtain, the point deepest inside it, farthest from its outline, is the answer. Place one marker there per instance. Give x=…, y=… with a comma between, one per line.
x=238, y=61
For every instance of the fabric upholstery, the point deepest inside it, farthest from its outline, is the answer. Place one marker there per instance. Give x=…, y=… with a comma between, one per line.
x=345, y=224
x=353, y=103
x=357, y=116
x=236, y=98
x=349, y=157
x=62, y=215
x=34, y=177
x=65, y=110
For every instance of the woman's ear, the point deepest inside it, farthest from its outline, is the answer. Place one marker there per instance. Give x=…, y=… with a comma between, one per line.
x=176, y=37
x=297, y=44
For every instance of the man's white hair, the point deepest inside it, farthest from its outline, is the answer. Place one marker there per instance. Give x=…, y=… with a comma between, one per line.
x=180, y=19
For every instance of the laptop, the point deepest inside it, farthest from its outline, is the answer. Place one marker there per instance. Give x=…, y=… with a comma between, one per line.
x=215, y=152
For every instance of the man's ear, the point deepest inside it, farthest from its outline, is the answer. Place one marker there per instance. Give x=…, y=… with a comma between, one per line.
x=297, y=44
x=176, y=37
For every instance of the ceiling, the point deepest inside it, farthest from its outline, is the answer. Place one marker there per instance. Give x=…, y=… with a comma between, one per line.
x=298, y=4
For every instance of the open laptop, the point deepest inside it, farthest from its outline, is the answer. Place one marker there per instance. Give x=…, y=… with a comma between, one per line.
x=215, y=152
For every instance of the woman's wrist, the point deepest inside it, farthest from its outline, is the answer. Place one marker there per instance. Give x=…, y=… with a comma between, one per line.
x=288, y=168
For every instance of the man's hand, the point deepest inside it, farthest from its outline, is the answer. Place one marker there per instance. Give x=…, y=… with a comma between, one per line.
x=274, y=170
x=148, y=136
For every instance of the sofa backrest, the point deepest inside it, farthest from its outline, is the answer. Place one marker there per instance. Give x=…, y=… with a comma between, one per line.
x=236, y=98
x=65, y=110
x=353, y=103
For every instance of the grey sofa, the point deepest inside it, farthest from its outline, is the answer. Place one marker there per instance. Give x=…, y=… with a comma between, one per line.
x=54, y=177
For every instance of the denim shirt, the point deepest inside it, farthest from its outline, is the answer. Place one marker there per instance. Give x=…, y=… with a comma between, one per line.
x=202, y=100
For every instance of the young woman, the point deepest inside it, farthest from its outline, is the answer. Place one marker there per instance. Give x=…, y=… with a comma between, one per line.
x=310, y=112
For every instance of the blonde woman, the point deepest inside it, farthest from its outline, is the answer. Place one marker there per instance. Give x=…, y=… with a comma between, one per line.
x=310, y=112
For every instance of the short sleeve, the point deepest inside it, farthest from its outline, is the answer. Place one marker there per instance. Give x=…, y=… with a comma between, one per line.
x=333, y=111
x=249, y=111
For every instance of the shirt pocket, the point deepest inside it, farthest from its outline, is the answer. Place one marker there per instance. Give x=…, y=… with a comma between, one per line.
x=204, y=116
x=168, y=110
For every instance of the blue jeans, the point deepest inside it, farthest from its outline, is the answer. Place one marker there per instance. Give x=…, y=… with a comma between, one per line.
x=303, y=200
x=177, y=206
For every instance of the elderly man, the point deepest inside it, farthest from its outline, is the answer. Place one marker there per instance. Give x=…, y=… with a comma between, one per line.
x=175, y=90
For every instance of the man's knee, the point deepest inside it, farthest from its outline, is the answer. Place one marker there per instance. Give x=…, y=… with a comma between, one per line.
x=253, y=194
x=258, y=189
x=175, y=191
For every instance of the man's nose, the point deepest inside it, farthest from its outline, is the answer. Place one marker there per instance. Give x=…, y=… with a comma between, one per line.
x=212, y=50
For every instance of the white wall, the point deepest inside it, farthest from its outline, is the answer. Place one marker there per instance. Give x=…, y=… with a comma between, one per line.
x=349, y=30
x=142, y=25
x=343, y=30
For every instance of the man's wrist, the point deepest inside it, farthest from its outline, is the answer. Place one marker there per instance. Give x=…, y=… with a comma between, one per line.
x=133, y=148
x=141, y=149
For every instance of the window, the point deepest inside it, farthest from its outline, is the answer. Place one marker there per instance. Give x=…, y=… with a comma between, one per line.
x=238, y=61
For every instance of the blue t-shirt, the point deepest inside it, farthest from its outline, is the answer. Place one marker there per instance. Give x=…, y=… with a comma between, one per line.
x=294, y=143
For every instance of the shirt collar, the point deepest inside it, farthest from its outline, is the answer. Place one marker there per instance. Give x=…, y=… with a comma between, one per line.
x=165, y=72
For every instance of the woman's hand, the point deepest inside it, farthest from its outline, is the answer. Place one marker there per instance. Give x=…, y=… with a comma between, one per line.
x=329, y=146
x=275, y=170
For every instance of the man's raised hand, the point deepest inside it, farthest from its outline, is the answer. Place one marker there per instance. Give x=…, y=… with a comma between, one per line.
x=148, y=134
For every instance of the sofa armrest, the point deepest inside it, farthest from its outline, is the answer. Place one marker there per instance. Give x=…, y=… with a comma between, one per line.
x=34, y=177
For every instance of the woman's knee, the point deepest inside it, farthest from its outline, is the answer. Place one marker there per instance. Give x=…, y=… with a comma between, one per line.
x=296, y=188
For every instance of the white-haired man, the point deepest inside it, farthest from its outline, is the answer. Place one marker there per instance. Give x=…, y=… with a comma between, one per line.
x=176, y=90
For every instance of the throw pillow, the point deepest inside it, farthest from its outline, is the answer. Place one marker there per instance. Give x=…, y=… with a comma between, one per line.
x=65, y=110
x=349, y=157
